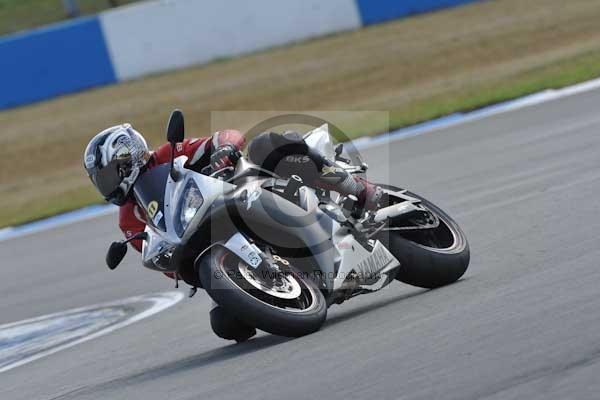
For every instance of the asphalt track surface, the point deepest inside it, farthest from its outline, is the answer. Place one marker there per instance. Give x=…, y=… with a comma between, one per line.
x=523, y=323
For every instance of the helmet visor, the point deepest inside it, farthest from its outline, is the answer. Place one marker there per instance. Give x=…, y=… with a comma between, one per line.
x=109, y=178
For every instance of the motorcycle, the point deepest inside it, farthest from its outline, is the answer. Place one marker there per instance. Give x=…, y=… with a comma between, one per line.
x=276, y=253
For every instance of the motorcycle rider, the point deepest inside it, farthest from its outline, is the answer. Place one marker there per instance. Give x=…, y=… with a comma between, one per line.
x=115, y=157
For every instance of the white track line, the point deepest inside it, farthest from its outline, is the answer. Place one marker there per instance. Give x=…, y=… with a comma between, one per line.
x=359, y=144
x=68, y=218
x=160, y=302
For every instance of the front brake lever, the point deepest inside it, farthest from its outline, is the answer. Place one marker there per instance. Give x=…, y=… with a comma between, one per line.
x=219, y=171
x=206, y=170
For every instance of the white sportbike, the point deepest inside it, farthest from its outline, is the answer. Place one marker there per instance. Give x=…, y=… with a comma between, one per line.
x=276, y=253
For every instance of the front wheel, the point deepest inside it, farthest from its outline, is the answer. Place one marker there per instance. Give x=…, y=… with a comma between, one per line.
x=429, y=258
x=276, y=297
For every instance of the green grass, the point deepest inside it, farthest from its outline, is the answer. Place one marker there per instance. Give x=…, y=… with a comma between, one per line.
x=35, y=210
x=18, y=15
x=555, y=76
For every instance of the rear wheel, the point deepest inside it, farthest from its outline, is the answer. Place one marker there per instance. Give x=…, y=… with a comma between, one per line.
x=429, y=257
x=275, y=297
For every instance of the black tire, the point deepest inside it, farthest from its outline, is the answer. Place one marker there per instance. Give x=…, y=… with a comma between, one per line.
x=426, y=266
x=238, y=300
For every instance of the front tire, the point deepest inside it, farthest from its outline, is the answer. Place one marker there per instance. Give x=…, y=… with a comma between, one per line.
x=225, y=277
x=429, y=262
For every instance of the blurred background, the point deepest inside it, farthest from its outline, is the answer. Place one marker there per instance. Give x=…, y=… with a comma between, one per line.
x=71, y=68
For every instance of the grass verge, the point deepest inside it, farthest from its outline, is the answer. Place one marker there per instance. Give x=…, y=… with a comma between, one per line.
x=569, y=72
x=18, y=15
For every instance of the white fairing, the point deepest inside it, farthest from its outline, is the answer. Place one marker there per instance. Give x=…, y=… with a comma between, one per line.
x=351, y=256
x=369, y=266
x=210, y=188
x=321, y=140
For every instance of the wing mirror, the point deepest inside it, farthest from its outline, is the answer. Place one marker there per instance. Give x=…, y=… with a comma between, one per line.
x=176, y=128
x=118, y=250
x=116, y=253
x=175, y=134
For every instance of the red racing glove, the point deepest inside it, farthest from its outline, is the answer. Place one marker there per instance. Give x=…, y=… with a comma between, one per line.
x=225, y=156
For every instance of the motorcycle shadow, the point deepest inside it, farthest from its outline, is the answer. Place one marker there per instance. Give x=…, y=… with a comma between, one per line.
x=344, y=316
x=233, y=350
x=207, y=358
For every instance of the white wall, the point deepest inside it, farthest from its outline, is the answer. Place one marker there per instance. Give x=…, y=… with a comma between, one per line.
x=157, y=36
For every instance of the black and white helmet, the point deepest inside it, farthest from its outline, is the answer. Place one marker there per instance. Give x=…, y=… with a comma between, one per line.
x=113, y=160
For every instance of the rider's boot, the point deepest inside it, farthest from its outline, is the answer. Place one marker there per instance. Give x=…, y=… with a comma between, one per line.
x=226, y=326
x=339, y=180
x=370, y=196
x=289, y=154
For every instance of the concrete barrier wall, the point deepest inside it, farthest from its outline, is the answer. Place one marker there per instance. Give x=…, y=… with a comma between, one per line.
x=161, y=35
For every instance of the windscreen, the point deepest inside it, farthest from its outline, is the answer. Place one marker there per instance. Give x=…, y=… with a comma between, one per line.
x=149, y=191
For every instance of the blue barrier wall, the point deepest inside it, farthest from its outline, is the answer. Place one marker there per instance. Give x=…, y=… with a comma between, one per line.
x=52, y=61
x=377, y=11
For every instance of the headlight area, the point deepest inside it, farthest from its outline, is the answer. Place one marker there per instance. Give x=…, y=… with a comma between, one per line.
x=190, y=203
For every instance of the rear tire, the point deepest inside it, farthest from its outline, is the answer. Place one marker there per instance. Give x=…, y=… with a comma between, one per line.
x=232, y=291
x=426, y=266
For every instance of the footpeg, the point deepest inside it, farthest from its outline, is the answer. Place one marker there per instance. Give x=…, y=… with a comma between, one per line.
x=350, y=205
